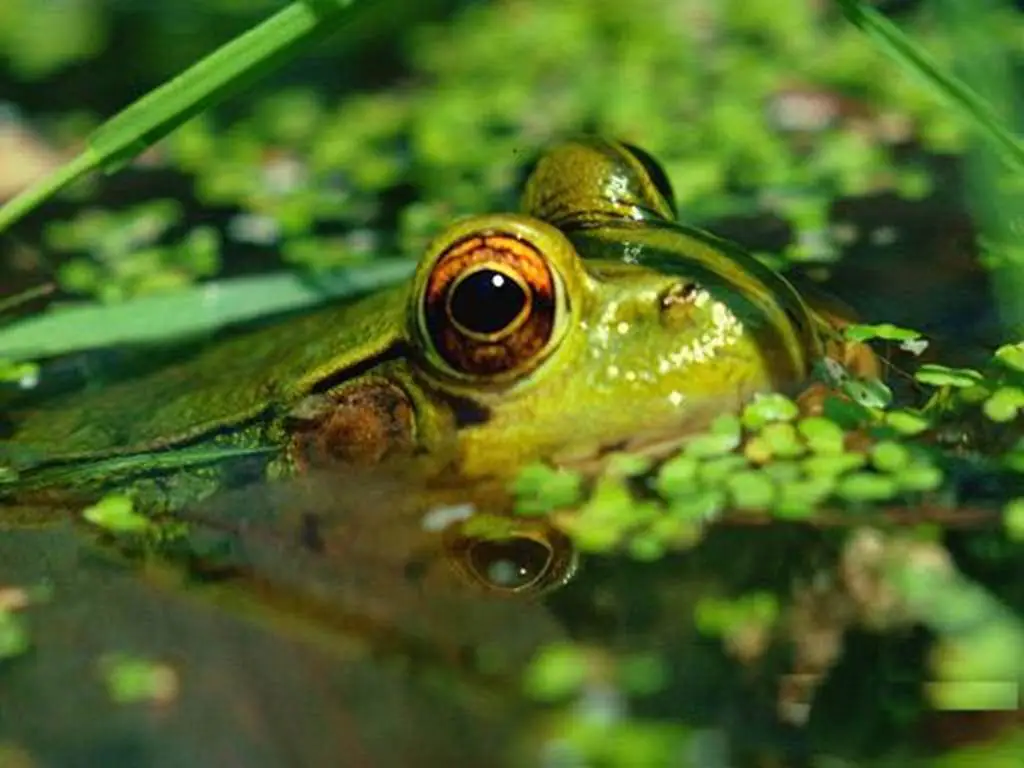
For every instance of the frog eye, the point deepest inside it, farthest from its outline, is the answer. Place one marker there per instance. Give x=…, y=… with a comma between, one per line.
x=490, y=303
x=522, y=562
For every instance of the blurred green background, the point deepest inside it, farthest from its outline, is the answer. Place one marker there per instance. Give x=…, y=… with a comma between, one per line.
x=779, y=124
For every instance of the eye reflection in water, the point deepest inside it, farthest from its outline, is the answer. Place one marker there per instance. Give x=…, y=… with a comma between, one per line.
x=408, y=560
x=532, y=558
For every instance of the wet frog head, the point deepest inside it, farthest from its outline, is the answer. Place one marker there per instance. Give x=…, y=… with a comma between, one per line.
x=585, y=321
x=592, y=319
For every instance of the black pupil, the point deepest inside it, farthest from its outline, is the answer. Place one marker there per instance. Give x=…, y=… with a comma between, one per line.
x=487, y=301
x=509, y=563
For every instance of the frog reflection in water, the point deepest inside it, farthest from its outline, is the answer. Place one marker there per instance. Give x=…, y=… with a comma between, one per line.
x=589, y=322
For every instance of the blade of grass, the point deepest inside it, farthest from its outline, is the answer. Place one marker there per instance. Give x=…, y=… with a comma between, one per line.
x=201, y=309
x=891, y=40
x=225, y=71
x=12, y=306
x=994, y=197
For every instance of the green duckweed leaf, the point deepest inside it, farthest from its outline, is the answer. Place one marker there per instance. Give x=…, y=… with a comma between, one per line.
x=907, y=422
x=14, y=636
x=943, y=376
x=605, y=519
x=783, y=471
x=557, y=672
x=882, y=331
x=782, y=440
x=833, y=466
x=116, y=514
x=1012, y=356
x=751, y=490
x=768, y=408
x=710, y=445
x=889, y=456
x=23, y=374
x=821, y=435
x=798, y=499
x=131, y=680
x=866, y=487
x=919, y=477
x=677, y=476
x=714, y=472
x=1004, y=404
x=716, y=616
x=726, y=424
x=870, y=393
x=647, y=547
x=539, y=489
x=699, y=506
x=676, y=532
x=1013, y=517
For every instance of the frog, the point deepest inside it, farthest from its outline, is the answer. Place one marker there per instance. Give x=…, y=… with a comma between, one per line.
x=586, y=322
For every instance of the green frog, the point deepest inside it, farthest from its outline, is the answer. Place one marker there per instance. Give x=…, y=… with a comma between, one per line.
x=591, y=321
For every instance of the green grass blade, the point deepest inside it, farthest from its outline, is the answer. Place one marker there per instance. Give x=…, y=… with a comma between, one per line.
x=993, y=193
x=226, y=70
x=10, y=305
x=23, y=203
x=893, y=42
x=200, y=309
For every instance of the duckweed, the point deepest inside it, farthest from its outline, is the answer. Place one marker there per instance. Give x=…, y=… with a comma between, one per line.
x=1011, y=356
x=833, y=465
x=539, y=489
x=821, y=435
x=881, y=331
x=116, y=514
x=889, y=456
x=870, y=393
x=799, y=499
x=907, y=422
x=919, y=477
x=1004, y=404
x=557, y=672
x=944, y=376
x=717, y=617
x=782, y=440
x=14, y=635
x=751, y=490
x=133, y=680
x=866, y=486
x=1013, y=516
x=767, y=408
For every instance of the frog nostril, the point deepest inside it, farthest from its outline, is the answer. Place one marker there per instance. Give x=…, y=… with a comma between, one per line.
x=679, y=293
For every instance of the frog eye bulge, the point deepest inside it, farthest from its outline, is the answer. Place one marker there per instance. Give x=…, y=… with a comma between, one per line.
x=655, y=173
x=510, y=564
x=526, y=561
x=489, y=304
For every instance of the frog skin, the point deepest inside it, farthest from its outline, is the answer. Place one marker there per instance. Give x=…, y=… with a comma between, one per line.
x=569, y=328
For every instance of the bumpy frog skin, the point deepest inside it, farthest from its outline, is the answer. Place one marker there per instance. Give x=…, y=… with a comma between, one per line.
x=570, y=328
